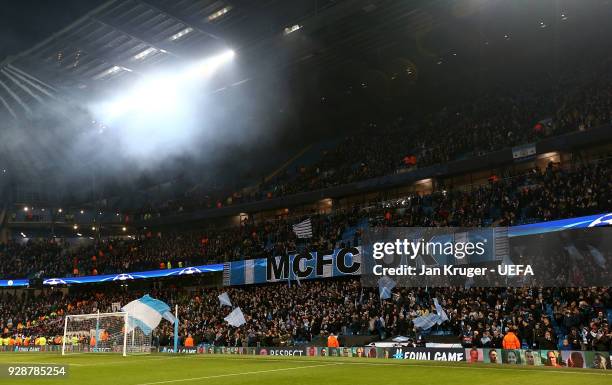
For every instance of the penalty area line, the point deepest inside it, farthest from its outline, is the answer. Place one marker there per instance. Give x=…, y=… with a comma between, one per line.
x=239, y=374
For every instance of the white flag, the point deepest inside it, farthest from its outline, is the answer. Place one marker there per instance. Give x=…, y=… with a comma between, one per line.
x=235, y=318
x=441, y=313
x=303, y=229
x=224, y=300
x=385, y=285
x=146, y=313
x=425, y=322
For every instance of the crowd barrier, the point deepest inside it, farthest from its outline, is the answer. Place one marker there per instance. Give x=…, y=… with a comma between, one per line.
x=551, y=358
x=31, y=349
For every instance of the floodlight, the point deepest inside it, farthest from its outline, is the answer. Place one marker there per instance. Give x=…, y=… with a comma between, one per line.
x=162, y=92
x=292, y=29
x=208, y=66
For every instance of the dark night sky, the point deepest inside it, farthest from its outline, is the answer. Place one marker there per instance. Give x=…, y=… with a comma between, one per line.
x=23, y=23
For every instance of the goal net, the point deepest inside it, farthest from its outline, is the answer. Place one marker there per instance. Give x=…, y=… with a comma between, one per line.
x=104, y=333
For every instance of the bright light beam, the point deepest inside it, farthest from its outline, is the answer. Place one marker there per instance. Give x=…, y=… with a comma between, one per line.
x=209, y=66
x=162, y=92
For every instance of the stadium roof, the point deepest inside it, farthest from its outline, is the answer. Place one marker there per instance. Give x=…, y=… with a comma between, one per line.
x=119, y=40
x=338, y=51
x=115, y=40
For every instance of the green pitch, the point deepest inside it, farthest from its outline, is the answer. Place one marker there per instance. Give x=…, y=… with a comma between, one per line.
x=90, y=369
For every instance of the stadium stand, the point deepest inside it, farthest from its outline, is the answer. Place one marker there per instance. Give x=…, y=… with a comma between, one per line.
x=280, y=315
x=539, y=195
x=542, y=318
x=483, y=126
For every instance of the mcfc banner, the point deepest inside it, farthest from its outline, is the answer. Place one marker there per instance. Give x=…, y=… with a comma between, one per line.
x=294, y=267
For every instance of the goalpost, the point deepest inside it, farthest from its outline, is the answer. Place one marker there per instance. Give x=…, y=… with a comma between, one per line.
x=104, y=333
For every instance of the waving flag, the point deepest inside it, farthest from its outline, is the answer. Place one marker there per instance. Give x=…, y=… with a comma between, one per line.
x=425, y=322
x=428, y=321
x=235, y=318
x=303, y=229
x=442, y=316
x=401, y=339
x=146, y=313
x=224, y=300
x=597, y=256
x=385, y=285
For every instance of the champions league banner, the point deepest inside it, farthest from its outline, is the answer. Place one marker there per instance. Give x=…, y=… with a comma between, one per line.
x=184, y=271
x=14, y=282
x=590, y=221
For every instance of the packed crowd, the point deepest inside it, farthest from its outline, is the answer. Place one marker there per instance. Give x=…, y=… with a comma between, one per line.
x=490, y=123
x=283, y=315
x=485, y=317
x=540, y=195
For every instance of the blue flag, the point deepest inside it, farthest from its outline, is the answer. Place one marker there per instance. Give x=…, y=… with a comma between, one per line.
x=385, y=285
x=146, y=313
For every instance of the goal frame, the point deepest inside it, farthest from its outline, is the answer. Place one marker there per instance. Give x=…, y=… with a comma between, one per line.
x=97, y=315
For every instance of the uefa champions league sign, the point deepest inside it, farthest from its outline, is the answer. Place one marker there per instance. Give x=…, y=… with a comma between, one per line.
x=134, y=276
x=14, y=282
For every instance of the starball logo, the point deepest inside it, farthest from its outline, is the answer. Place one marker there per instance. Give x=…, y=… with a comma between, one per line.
x=605, y=220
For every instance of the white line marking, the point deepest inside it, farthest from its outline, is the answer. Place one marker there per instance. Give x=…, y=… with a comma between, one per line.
x=435, y=364
x=40, y=363
x=239, y=374
x=128, y=361
x=100, y=363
